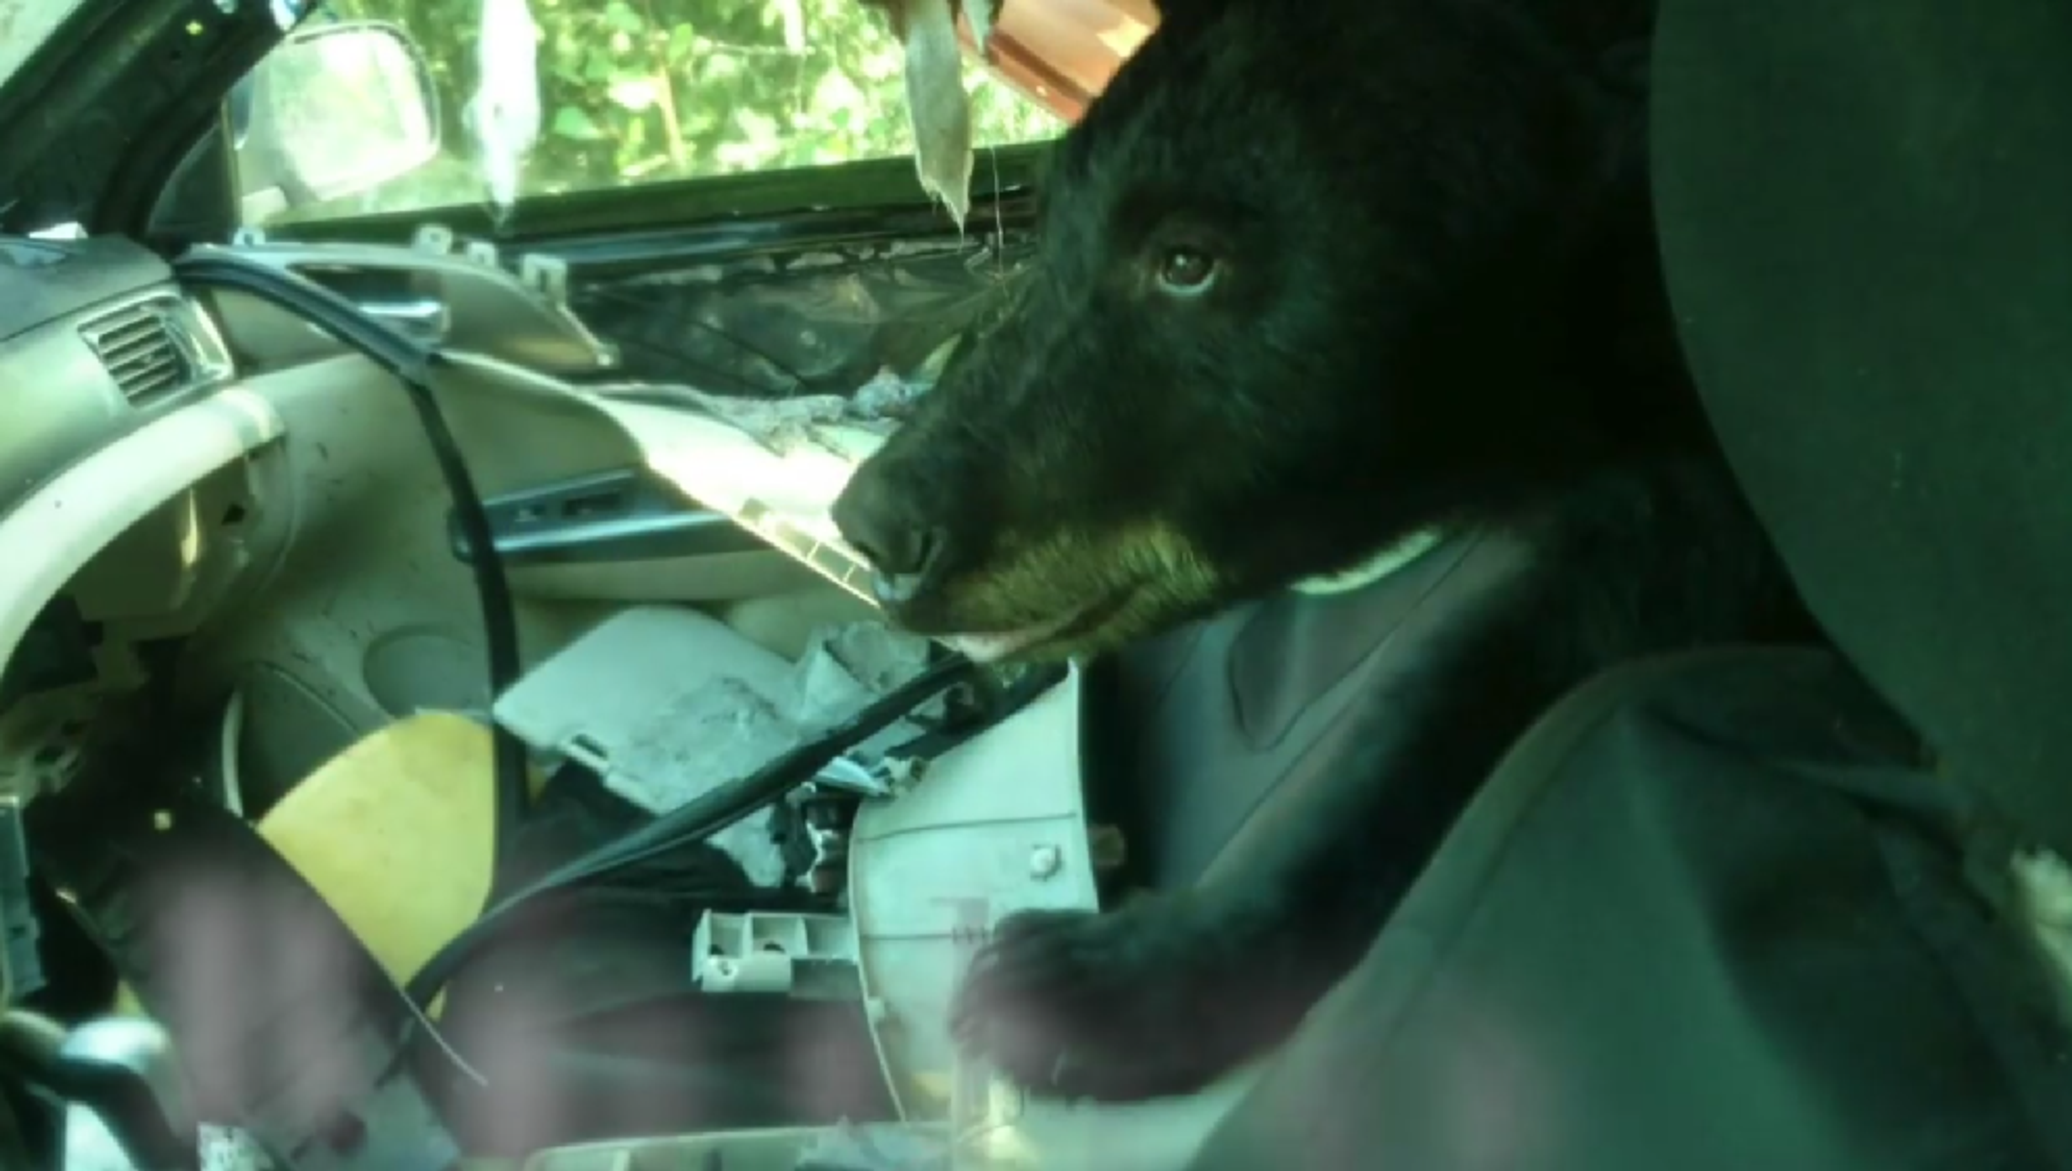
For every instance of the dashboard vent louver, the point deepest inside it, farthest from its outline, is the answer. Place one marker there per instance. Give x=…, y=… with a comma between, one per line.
x=140, y=350
x=160, y=345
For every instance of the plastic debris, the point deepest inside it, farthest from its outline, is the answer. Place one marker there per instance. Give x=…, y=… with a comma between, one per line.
x=226, y=1149
x=711, y=734
x=937, y=105
x=875, y=1148
x=503, y=116
x=784, y=425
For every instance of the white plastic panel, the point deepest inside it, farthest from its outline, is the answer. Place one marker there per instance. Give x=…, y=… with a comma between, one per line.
x=60, y=526
x=746, y=1150
x=998, y=825
x=995, y=826
x=812, y=956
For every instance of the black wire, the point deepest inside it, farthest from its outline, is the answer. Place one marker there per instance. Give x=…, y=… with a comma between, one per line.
x=934, y=741
x=709, y=814
x=700, y=819
x=411, y=362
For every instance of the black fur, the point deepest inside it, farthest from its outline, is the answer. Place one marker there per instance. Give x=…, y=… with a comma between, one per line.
x=1436, y=302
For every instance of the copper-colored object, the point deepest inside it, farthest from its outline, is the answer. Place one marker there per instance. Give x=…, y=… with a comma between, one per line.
x=1108, y=847
x=1059, y=53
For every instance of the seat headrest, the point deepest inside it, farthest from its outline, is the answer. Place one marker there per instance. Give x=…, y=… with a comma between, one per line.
x=1866, y=221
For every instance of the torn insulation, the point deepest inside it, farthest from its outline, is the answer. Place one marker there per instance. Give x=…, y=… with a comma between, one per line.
x=783, y=425
x=938, y=107
x=503, y=115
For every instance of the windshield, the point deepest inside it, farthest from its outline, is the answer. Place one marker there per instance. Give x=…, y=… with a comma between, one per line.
x=24, y=26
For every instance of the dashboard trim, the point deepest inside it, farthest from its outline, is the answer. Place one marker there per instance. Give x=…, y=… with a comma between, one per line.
x=202, y=358
x=55, y=530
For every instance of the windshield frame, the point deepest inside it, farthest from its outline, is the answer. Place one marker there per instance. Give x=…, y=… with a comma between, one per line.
x=104, y=110
x=26, y=26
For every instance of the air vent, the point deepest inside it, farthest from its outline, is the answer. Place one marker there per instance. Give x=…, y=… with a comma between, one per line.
x=156, y=347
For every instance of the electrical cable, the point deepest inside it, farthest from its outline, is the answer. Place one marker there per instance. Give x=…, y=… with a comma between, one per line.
x=696, y=821
x=411, y=362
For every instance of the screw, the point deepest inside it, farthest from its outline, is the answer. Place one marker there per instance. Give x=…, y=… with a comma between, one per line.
x=1045, y=862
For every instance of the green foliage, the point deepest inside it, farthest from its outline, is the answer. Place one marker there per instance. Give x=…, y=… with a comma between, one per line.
x=643, y=91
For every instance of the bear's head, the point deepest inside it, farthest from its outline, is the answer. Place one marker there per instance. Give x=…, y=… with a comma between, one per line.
x=1305, y=286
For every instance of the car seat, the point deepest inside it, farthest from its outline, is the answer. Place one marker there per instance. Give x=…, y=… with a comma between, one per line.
x=1787, y=908
x=1200, y=743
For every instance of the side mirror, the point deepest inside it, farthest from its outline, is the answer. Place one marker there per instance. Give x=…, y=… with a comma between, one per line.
x=336, y=110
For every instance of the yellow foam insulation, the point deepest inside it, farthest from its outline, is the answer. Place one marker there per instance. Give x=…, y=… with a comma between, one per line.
x=397, y=834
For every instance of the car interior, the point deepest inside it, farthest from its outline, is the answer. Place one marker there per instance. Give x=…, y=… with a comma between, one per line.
x=257, y=629
x=355, y=588
x=264, y=568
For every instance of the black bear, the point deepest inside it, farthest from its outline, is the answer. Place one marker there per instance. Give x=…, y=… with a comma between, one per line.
x=1314, y=277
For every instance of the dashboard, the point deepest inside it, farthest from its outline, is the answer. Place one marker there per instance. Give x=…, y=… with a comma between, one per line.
x=97, y=336
x=176, y=455
x=171, y=453
x=121, y=403
x=94, y=335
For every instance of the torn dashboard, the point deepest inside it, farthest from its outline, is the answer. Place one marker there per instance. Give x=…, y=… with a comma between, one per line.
x=94, y=334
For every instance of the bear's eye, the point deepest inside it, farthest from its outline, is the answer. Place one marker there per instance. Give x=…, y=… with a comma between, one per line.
x=1186, y=272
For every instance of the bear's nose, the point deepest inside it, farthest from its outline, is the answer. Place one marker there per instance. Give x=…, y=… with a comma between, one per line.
x=882, y=524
